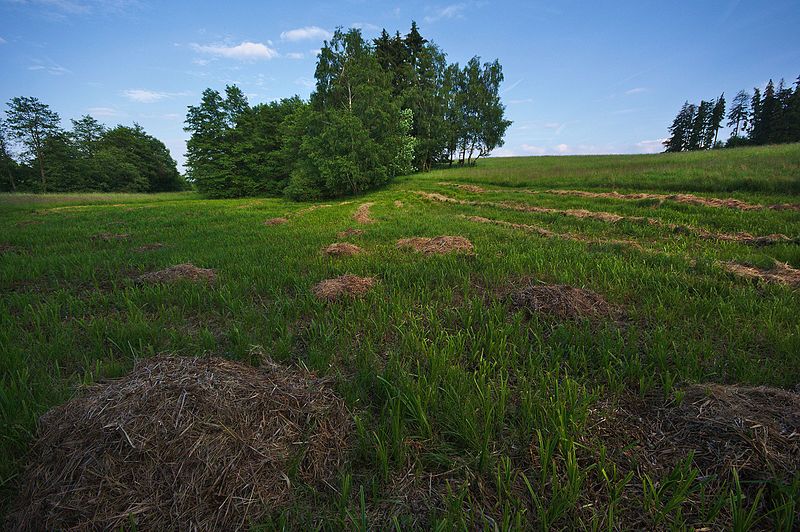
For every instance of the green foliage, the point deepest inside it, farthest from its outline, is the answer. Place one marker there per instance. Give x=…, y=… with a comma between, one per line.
x=379, y=110
x=773, y=118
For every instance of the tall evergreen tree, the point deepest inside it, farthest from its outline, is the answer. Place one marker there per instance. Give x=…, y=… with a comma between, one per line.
x=739, y=113
x=698, y=136
x=33, y=123
x=681, y=129
x=717, y=115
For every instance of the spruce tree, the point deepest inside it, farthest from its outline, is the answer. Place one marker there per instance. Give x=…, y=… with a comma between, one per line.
x=717, y=115
x=739, y=113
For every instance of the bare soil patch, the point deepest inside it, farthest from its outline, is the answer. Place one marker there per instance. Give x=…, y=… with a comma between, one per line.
x=342, y=249
x=108, y=237
x=276, y=221
x=780, y=273
x=344, y=286
x=362, y=213
x=176, y=273
x=148, y=247
x=350, y=232
x=182, y=443
x=562, y=301
x=437, y=245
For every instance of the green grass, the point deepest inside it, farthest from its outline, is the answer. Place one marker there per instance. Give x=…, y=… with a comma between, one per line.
x=441, y=375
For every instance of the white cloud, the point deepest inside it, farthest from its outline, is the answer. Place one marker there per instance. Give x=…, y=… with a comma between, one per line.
x=636, y=90
x=148, y=96
x=50, y=68
x=306, y=33
x=451, y=11
x=366, y=26
x=243, y=52
x=295, y=55
x=103, y=111
x=651, y=146
x=305, y=82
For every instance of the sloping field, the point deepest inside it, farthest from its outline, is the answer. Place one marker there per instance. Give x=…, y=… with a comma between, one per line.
x=577, y=342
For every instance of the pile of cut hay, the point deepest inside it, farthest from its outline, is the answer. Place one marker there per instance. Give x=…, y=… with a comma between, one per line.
x=276, y=221
x=437, y=245
x=176, y=273
x=108, y=237
x=350, y=232
x=755, y=430
x=342, y=249
x=562, y=301
x=182, y=443
x=149, y=247
x=780, y=273
x=362, y=213
x=347, y=285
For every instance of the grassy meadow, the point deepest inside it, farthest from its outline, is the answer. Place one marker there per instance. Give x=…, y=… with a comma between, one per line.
x=468, y=413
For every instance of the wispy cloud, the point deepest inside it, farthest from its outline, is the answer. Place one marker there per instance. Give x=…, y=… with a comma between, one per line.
x=446, y=12
x=511, y=87
x=246, y=51
x=651, y=146
x=149, y=96
x=295, y=55
x=103, y=112
x=366, y=26
x=62, y=9
x=519, y=101
x=636, y=90
x=49, y=67
x=306, y=33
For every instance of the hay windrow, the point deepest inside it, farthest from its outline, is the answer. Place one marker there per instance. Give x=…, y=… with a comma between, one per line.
x=609, y=217
x=755, y=430
x=563, y=302
x=475, y=189
x=350, y=232
x=342, y=249
x=179, y=272
x=362, y=213
x=312, y=208
x=109, y=237
x=280, y=220
x=691, y=199
x=780, y=273
x=148, y=247
x=437, y=245
x=345, y=286
x=182, y=443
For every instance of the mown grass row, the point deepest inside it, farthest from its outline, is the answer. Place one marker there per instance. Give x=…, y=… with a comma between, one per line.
x=444, y=379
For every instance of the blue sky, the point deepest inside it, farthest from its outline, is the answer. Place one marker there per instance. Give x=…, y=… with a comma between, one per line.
x=580, y=77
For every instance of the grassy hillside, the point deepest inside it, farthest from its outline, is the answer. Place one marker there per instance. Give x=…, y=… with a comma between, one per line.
x=470, y=411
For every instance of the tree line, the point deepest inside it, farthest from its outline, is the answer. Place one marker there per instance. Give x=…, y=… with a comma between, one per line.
x=380, y=109
x=38, y=155
x=769, y=118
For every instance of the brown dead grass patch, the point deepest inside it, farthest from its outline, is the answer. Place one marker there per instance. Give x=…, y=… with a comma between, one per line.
x=182, y=443
x=148, y=247
x=179, y=272
x=398, y=204
x=350, y=232
x=342, y=249
x=362, y=213
x=108, y=237
x=437, y=245
x=562, y=301
x=344, y=286
x=280, y=220
x=780, y=273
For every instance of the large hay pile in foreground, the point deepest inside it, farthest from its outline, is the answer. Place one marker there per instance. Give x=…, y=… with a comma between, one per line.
x=563, y=302
x=181, y=443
